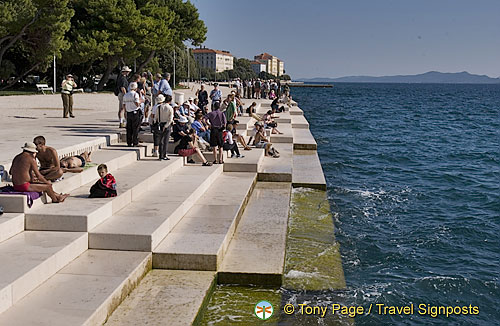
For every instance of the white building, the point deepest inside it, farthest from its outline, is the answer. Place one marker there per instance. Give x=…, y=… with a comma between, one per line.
x=258, y=67
x=273, y=64
x=214, y=59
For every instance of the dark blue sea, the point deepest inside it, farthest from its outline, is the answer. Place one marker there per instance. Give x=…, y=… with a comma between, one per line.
x=413, y=173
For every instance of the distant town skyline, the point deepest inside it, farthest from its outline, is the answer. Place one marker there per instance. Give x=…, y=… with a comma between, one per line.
x=361, y=37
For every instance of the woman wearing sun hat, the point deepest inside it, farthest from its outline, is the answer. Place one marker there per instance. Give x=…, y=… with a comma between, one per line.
x=67, y=86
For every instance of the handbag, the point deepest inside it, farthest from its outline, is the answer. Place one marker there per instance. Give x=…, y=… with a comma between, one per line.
x=157, y=127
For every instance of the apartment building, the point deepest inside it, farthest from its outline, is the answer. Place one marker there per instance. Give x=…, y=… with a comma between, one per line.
x=274, y=65
x=214, y=59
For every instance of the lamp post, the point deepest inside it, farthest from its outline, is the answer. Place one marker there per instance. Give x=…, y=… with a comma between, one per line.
x=55, y=81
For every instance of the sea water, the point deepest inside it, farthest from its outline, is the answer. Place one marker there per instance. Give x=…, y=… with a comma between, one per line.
x=413, y=173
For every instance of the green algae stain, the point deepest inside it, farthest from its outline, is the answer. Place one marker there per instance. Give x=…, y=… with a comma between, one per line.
x=234, y=305
x=312, y=264
x=312, y=256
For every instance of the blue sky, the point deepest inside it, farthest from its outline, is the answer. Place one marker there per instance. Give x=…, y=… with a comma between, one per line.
x=333, y=38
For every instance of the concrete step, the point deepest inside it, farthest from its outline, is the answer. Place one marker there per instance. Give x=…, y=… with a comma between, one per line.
x=86, y=213
x=295, y=110
x=85, y=292
x=303, y=139
x=165, y=297
x=10, y=225
x=249, y=163
x=256, y=254
x=277, y=169
x=299, y=121
x=199, y=241
x=30, y=258
x=307, y=170
x=19, y=204
x=146, y=221
x=286, y=137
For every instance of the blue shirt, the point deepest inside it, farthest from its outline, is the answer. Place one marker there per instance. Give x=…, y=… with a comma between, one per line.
x=215, y=95
x=196, y=125
x=164, y=87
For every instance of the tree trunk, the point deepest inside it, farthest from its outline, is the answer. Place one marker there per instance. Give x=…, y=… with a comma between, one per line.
x=111, y=63
x=21, y=76
x=148, y=60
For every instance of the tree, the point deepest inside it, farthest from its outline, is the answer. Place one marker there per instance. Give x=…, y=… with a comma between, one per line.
x=33, y=31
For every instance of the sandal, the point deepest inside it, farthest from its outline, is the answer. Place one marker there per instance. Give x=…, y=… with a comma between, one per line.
x=207, y=164
x=215, y=162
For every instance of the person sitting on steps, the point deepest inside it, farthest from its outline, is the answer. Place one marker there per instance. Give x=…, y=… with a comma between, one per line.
x=50, y=166
x=26, y=176
x=188, y=148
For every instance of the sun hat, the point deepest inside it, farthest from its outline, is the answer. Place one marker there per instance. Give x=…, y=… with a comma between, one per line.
x=185, y=103
x=69, y=75
x=190, y=99
x=126, y=68
x=183, y=120
x=29, y=147
x=132, y=86
x=160, y=98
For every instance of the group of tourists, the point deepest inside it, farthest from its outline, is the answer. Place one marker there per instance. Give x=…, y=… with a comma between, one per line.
x=260, y=89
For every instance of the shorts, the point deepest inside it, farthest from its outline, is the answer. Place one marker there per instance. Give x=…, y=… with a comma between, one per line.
x=187, y=152
x=22, y=188
x=216, y=137
x=261, y=144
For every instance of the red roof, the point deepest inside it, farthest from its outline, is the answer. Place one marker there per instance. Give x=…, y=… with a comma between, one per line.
x=212, y=51
x=263, y=56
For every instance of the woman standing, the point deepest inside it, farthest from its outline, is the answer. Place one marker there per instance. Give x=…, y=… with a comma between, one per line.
x=67, y=95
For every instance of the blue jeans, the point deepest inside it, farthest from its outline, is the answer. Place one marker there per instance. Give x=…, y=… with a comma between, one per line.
x=205, y=135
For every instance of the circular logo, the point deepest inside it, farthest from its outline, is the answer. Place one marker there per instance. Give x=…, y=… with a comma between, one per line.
x=263, y=310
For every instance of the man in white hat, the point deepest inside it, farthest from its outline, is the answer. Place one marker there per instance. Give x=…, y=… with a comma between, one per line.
x=67, y=87
x=120, y=91
x=132, y=103
x=23, y=171
x=163, y=117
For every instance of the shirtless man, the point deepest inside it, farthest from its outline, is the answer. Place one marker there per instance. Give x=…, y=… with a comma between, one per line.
x=75, y=163
x=49, y=162
x=23, y=171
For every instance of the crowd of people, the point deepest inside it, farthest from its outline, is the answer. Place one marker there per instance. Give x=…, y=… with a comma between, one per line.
x=260, y=89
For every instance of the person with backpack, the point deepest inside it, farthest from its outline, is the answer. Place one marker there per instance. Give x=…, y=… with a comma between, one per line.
x=120, y=90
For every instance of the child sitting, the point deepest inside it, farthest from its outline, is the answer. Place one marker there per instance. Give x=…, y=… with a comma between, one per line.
x=229, y=144
x=105, y=186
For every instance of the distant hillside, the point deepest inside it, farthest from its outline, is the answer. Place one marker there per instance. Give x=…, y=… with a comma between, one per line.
x=428, y=77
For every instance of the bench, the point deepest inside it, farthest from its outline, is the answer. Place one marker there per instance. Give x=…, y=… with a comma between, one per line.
x=43, y=88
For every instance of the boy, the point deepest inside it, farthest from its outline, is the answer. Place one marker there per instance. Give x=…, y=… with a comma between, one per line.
x=105, y=186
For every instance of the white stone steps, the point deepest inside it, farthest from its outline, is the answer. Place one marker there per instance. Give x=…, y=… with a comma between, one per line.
x=146, y=221
x=18, y=203
x=30, y=258
x=10, y=225
x=165, y=297
x=295, y=110
x=80, y=213
x=303, y=139
x=249, y=163
x=85, y=292
x=256, y=253
x=286, y=137
x=277, y=169
x=199, y=241
x=299, y=121
x=113, y=158
x=307, y=170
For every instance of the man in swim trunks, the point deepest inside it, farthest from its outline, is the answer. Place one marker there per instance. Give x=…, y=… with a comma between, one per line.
x=49, y=162
x=23, y=171
x=76, y=163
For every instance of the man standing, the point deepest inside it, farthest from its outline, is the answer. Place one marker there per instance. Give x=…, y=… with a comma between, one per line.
x=50, y=166
x=215, y=95
x=120, y=91
x=131, y=104
x=163, y=116
x=218, y=122
x=202, y=98
x=164, y=87
x=67, y=86
x=257, y=85
x=23, y=171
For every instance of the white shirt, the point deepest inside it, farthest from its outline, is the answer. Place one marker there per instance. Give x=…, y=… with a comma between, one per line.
x=163, y=112
x=129, y=101
x=229, y=137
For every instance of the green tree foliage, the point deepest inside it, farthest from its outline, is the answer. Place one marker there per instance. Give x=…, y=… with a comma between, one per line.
x=32, y=32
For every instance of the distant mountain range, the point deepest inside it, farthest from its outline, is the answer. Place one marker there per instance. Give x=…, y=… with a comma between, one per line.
x=428, y=77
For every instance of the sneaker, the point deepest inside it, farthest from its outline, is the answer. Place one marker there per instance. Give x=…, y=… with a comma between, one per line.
x=191, y=161
x=72, y=116
x=240, y=156
x=122, y=125
x=155, y=154
x=165, y=158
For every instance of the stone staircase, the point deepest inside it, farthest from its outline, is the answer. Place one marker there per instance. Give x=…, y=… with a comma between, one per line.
x=74, y=263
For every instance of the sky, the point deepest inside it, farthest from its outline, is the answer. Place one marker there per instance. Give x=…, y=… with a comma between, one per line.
x=332, y=38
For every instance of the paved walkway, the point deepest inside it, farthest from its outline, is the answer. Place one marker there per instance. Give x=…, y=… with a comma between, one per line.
x=27, y=116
